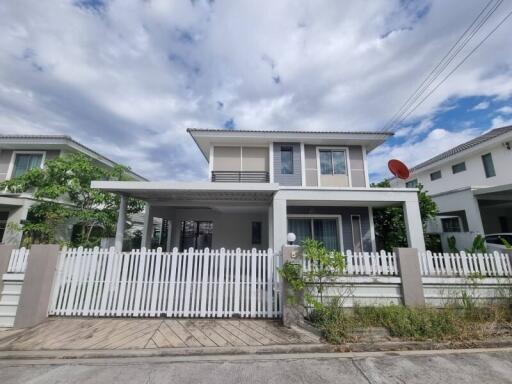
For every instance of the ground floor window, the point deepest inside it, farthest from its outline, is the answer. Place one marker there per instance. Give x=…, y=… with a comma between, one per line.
x=3, y=223
x=196, y=234
x=357, y=233
x=323, y=229
x=451, y=224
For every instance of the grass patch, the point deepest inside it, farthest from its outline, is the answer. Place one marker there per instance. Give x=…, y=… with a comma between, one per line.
x=424, y=323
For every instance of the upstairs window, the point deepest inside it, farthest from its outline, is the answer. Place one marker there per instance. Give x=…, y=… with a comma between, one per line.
x=412, y=184
x=435, y=175
x=24, y=162
x=488, y=165
x=460, y=167
x=286, y=160
x=332, y=162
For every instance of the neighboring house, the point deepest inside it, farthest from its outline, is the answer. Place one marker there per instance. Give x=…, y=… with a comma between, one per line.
x=18, y=154
x=472, y=186
x=264, y=184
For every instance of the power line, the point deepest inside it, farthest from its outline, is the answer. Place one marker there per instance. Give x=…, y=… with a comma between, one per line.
x=407, y=102
x=452, y=53
x=460, y=63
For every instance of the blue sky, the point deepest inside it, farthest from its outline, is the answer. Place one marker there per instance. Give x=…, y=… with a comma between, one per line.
x=127, y=78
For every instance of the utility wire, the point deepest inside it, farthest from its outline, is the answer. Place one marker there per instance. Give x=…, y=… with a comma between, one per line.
x=407, y=102
x=452, y=53
x=460, y=63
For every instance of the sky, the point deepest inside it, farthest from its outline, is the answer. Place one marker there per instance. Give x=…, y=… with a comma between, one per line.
x=128, y=77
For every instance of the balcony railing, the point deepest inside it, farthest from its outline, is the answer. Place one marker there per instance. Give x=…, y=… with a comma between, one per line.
x=240, y=177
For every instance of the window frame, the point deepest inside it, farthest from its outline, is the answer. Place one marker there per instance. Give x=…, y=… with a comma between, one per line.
x=347, y=164
x=410, y=181
x=10, y=170
x=312, y=217
x=457, y=218
x=463, y=163
x=286, y=148
x=434, y=178
x=487, y=176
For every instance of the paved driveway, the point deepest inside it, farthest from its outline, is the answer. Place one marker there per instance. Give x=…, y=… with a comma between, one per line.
x=436, y=367
x=101, y=334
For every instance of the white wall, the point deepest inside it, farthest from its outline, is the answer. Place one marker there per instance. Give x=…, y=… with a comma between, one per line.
x=473, y=176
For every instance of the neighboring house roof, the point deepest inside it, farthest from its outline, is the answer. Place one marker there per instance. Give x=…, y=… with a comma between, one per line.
x=204, y=138
x=58, y=141
x=463, y=147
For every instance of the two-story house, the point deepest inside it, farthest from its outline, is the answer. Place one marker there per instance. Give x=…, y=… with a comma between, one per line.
x=265, y=184
x=472, y=186
x=18, y=154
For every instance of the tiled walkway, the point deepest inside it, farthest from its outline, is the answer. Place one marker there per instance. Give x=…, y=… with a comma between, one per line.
x=89, y=334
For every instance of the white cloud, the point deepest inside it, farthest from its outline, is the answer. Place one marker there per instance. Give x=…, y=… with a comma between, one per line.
x=129, y=78
x=500, y=121
x=480, y=106
x=506, y=110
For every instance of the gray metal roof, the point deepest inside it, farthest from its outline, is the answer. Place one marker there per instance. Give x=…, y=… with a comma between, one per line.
x=462, y=147
x=71, y=140
x=275, y=131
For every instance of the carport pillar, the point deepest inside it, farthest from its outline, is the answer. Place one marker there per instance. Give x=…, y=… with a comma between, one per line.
x=413, y=224
x=147, y=231
x=121, y=220
x=279, y=222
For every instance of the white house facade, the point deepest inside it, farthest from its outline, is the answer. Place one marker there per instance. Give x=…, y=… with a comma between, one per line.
x=18, y=154
x=472, y=186
x=265, y=184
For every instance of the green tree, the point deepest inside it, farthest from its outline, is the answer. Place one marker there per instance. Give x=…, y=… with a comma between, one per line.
x=389, y=222
x=64, y=196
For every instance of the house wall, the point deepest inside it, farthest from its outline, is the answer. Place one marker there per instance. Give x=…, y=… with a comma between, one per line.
x=230, y=230
x=294, y=179
x=474, y=175
x=346, y=223
x=6, y=158
x=461, y=201
x=356, y=166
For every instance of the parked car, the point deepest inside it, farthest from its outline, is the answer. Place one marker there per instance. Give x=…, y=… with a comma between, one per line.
x=495, y=241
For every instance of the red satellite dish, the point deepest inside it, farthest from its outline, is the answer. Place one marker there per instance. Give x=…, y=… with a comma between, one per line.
x=398, y=169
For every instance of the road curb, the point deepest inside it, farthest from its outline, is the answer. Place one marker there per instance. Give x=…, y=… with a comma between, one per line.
x=163, y=352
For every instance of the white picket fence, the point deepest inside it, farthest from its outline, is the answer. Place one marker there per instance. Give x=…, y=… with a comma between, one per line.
x=18, y=260
x=149, y=283
x=367, y=263
x=465, y=264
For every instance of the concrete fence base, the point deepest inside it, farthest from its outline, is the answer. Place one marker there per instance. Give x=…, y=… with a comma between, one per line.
x=37, y=286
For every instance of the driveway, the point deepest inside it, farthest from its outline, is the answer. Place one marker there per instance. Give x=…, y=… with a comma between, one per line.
x=109, y=334
x=426, y=367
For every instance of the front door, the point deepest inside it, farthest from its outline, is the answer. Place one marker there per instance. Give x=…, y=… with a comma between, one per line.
x=196, y=234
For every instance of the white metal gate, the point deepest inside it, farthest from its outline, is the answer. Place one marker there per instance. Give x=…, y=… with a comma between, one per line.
x=193, y=283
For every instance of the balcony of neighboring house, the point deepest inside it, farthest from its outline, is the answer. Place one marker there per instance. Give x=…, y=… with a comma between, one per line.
x=240, y=176
x=239, y=164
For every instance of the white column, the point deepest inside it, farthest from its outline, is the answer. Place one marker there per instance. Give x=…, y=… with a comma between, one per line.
x=147, y=231
x=413, y=225
x=121, y=220
x=279, y=222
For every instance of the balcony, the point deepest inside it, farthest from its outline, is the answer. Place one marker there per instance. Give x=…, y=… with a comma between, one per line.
x=240, y=177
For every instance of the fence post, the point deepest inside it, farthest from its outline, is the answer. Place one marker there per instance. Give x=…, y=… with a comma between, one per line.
x=410, y=274
x=293, y=302
x=37, y=286
x=5, y=256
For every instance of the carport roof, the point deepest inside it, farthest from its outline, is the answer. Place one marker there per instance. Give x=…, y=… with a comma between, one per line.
x=157, y=191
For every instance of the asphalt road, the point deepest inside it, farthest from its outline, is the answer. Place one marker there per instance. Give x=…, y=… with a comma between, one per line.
x=437, y=367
